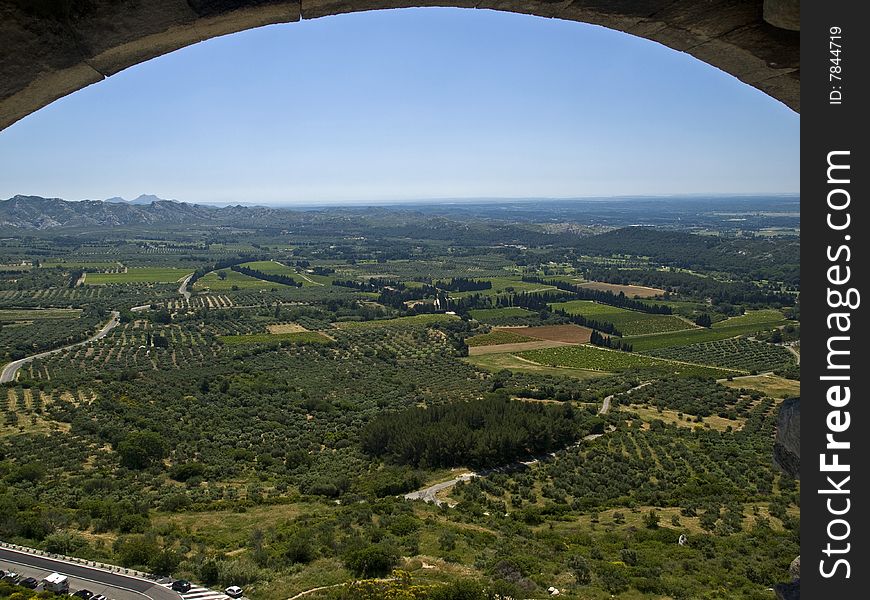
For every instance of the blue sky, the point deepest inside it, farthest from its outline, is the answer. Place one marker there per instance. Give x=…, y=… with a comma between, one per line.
x=408, y=104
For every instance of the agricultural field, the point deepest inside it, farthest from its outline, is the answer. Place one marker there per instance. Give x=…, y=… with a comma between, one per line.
x=297, y=337
x=629, y=322
x=569, y=334
x=753, y=317
x=257, y=434
x=231, y=280
x=504, y=285
x=84, y=265
x=769, y=385
x=279, y=328
x=497, y=337
x=424, y=319
x=632, y=291
x=273, y=267
x=733, y=353
x=611, y=361
x=10, y=315
x=18, y=340
x=487, y=315
x=498, y=362
x=696, y=336
x=139, y=275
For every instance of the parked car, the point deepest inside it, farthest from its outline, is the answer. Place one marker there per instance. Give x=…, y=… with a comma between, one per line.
x=234, y=591
x=11, y=577
x=99, y=597
x=182, y=586
x=29, y=582
x=84, y=594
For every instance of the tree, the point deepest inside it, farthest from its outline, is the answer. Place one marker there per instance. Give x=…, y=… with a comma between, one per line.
x=165, y=562
x=141, y=448
x=651, y=519
x=704, y=320
x=136, y=551
x=372, y=561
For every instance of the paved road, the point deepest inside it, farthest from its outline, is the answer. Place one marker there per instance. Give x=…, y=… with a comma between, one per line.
x=429, y=494
x=11, y=369
x=113, y=585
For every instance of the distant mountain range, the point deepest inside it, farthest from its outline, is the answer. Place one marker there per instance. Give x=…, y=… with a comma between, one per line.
x=144, y=199
x=36, y=212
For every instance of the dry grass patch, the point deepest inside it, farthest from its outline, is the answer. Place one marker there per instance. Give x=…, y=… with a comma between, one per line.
x=280, y=328
x=629, y=290
x=497, y=362
x=672, y=417
x=769, y=385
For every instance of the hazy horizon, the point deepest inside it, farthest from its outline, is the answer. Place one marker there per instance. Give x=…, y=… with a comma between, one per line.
x=433, y=201
x=414, y=103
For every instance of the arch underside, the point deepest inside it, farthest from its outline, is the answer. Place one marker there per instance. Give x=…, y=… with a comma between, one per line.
x=51, y=48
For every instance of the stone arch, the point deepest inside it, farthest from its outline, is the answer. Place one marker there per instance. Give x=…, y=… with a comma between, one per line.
x=51, y=48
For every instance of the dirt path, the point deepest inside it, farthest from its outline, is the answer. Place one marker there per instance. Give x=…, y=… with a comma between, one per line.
x=317, y=589
x=796, y=354
x=11, y=370
x=334, y=585
x=308, y=279
x=605, y=406
x=182, y=289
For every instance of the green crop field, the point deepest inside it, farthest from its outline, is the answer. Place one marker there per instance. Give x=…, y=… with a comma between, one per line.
x=485, y=314
x=503, y=285
x=629, y=322
x=754, y=317
x=8, y=315
x=271, y=267
x=139, y=275
x=590, y=357
x=497, y=337
x=695, y=336
x=735, y=353
x=233, y=280
x=299, y=337
x=414, y=320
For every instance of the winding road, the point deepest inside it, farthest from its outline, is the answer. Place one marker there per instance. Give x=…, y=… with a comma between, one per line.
x=11, y=369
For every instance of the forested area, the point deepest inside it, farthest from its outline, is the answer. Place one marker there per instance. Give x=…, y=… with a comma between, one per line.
x=481, y=433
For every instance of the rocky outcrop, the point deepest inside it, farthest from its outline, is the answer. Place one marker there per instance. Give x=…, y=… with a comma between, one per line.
x=787, y=448
x=49, y=49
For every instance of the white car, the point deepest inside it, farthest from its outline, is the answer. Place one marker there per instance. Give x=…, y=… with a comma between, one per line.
x=234, y=591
